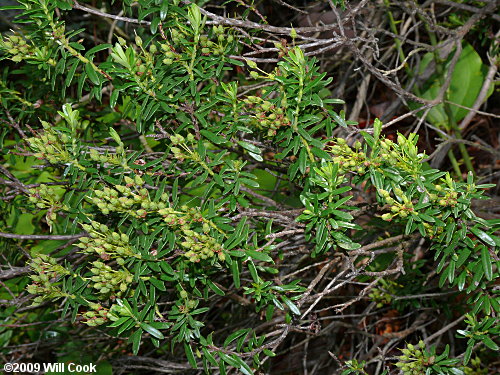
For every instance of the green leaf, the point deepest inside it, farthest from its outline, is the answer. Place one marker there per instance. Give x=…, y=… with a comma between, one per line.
x=236, y=273
x=91, y=73
x=154, y=24
x=269, y=353
x=190, y=355
x=96, y=49
x=216, y=139
x=120, y=321
x=486, y=262
x=450, y=229
x=114, y=98
x=490, y=343
x=468, y=353
x=253, y=271
x=293, y=308
x=342, y=215
x=135, y=338
x=483, y=236
x=233, y=336
x=152, y=331
x=249, y=147
x=230, y=361
x=302, y=160
x=259, y=255
x=427, y=218
x=466, y=82
x=71, y=73
x=243, y=367
x=158, y=284
x=463, y=256
x=164, y=9
x=257, y=157
x=114, y=135
x=215, y=288
x=209, y=356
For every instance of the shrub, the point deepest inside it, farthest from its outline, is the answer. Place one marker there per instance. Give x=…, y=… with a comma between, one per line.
x=182, y=175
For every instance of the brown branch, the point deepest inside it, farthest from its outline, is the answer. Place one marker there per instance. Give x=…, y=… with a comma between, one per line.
x=13, y=272
x=29, y=237
x=106, y=15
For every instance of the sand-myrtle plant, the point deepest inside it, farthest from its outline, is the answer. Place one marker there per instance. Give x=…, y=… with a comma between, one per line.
x=190, y=193
x=418, y=359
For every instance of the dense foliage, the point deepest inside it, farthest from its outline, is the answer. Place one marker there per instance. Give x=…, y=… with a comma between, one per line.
x=167, y=193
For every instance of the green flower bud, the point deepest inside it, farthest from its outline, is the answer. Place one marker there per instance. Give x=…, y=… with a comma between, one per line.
x=251, y=64
x=387, y=217
x=138, y=180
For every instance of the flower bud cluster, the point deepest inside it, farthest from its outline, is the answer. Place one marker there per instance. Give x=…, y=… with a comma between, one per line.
x=132, y=198
x=414, y=360
x=47, y=270
x=398, y=154
x=46, y=197
x=43, y=196
x=350, y=160
x=444, y=196
x=23, y=49
x=117, y=311
x=96, y=316
x=402, y=206
x=265, y=115
x=188, y=303
x=169, y=53
x=50, y=145
x=114, y=159
x=183, y=151
x=475, y=368
x=433, y=230
x=179, y=139
x=107, y=280
x=384, y=295
x=106, y=243
x=175, y=35
x=215, y=48
x=200, y=246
